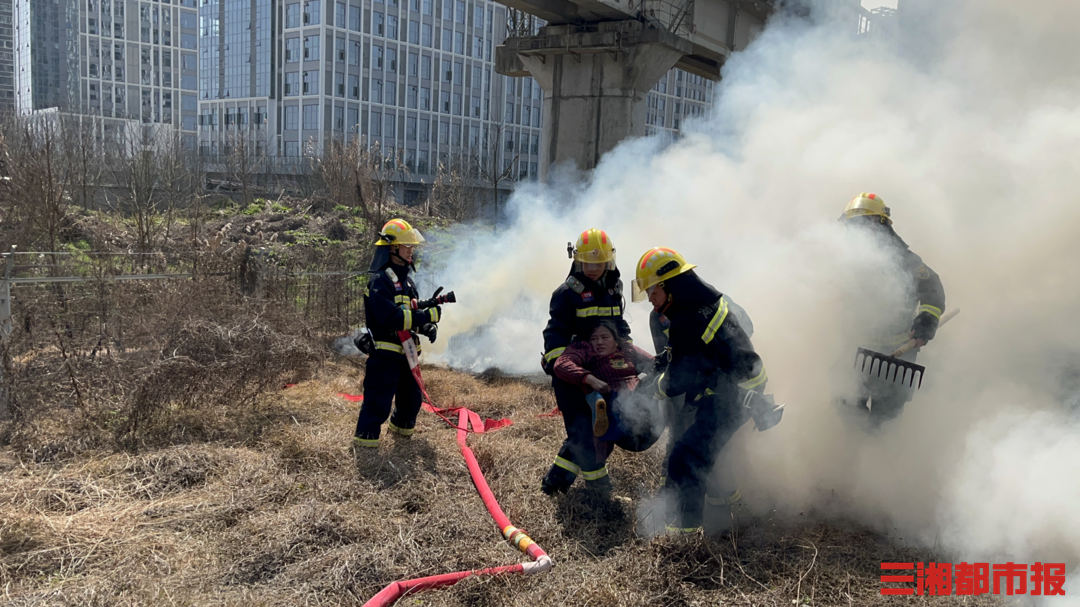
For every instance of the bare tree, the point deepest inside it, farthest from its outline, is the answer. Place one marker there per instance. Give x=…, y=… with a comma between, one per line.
x=85, y=153
x=494, y=166
x=38, y=178
x=181, y=176
x=363, y=178
x=243, y=159
x=454, y=194
x=139, y=170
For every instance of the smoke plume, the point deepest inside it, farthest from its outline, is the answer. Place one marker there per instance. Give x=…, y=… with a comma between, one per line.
x=969, y=129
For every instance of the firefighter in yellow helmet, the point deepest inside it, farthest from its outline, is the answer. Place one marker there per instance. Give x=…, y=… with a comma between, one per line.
x=389, y=309
x=710, y=361
x=592, y=292
x=870, y=401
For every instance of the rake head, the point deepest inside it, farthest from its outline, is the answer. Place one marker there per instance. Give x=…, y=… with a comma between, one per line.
x=889, y=367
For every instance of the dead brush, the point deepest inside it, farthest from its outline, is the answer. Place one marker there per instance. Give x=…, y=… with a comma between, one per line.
x=206, y=365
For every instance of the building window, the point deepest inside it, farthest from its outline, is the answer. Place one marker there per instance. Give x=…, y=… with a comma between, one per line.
x=425, y=130
x=339, y=16
x=311, y=48
x=376, y=91
x=377, y=56
x=292, y=83
x=410, y=96
x=311, y=117
x=425, y=7
x=292, y=117
x=445, y=102
x=457, y=104
x=414, y=32
x=339, y=118
x=379, y=24
x=459, y=43
x=444, y=133
x=425, y=35
x=339, y=84
x=339, y=47
x=388, y=128
x=446, y=40
x=354, y=18
x=354, y=53
x=353, y=119
x=425, y=98
x=292, y=15
x=354, y=87
x=390, y=94
x=458, y=70
x=410, y=128
x=425, y=67
x=376, y=124
x=311, y=12
x=391, y=27
x=292, y=149
x=311, y=82
x=292, y=50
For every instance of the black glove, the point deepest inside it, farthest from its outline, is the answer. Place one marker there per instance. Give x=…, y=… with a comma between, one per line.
x=435, y=314
x=763, y=409
x=429, y=330
x=661, y=361
x=365, y=343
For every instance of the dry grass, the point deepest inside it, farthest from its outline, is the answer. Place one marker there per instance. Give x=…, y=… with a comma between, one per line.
x=283, y=512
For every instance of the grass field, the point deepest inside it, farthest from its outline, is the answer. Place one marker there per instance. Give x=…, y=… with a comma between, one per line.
x=276, y=509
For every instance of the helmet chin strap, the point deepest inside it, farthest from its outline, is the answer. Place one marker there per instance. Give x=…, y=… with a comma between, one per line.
x=405, y=262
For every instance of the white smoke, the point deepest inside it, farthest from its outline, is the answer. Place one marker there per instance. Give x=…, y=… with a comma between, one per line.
x=970, y=131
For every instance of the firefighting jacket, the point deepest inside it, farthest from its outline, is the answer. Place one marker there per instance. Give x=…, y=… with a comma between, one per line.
x=576, y=306
x=920, y=315
x=707, y=343
x=387, y=310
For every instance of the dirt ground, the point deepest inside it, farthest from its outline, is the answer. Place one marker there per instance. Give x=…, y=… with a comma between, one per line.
x=284, y=512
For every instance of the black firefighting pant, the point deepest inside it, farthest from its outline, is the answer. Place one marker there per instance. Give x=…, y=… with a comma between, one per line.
x=387, y=375
x=578, y=454
x=721, y=489
x=874, y=400
x=716, y=417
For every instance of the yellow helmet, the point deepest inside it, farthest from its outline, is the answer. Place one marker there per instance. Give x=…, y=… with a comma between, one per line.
x=866, y=204
x=398, y=231
x=655, y=266
x=594, y=246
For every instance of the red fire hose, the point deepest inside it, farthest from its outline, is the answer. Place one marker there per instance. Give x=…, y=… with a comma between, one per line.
x=518, y=538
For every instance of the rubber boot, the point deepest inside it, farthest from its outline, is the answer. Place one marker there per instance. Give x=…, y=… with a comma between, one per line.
x=557, y=480
x=598, y=405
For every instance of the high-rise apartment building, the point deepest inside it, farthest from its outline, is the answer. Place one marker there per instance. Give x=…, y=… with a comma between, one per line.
x=129, y=62
x=678, y=97
x=414, y=76
x=7, y=57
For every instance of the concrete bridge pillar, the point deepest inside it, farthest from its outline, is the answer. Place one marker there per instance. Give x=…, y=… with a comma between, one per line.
x=595, y=80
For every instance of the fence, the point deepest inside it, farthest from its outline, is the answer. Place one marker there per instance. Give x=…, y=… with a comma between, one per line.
x=89, y=304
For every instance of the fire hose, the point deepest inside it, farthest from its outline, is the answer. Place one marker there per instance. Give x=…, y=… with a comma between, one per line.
x=541, y=562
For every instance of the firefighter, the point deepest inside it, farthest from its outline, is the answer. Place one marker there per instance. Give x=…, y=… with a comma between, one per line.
x=707, y=360
x=876, y=400
x=389, y=302
x=592, y=292
x=721, y=493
